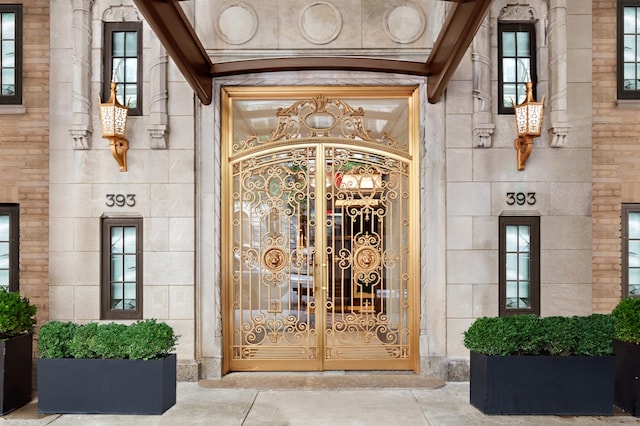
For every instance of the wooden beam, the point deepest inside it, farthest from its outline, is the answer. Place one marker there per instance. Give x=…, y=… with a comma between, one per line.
x=319, y=63
x=462, y=23
x=172, y=27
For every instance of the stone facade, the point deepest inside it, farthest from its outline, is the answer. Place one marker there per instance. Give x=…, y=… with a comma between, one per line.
x=24, y=156
x=468, y=163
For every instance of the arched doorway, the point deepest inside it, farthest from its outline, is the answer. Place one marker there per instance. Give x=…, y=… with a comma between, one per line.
x=320, y=229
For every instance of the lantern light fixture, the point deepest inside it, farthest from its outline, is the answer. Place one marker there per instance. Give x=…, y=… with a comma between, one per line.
x=113, y=120
x=529, y=116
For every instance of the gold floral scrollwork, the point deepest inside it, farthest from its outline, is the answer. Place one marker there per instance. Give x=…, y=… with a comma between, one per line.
x=274, y=259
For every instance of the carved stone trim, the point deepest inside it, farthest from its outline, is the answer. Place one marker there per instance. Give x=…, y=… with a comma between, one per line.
x=482, y=119
x=81, y=129
x=518, y=12
x=121, y=13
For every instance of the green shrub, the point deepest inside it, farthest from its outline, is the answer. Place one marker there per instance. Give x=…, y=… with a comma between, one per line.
x=530, y=335
x=17, y=314
x=141, y=340
x=54, y=339
x=627, y=320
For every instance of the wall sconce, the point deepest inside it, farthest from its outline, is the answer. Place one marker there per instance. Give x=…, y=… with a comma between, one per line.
x=113, y=119
x=529, y=124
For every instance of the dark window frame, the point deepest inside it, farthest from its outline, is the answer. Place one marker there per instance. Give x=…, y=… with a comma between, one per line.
x=621, y=93
x=107, y=223
x=626, y=209
x=16, y=98
x=534, y=268
x=107, y=60
x=13, y=211
x=513, y=26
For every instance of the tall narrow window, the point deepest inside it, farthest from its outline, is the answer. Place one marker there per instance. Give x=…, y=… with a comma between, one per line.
x=123, y=63
x=121, y=268
x=628, y=24
x=631, y=250
x=519, y=288
x=9, y=246
x=10, y=54
x=516, y=63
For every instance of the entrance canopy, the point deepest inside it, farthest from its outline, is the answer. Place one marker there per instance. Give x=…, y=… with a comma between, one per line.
x=172, y=27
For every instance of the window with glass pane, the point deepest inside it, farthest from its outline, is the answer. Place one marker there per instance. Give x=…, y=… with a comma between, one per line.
x=122, y=264
x=519, y=265
x=631, y=250
x=628, y=49
x=516, y=63
x=123, y=63
x=9, y=244
x=10, y=54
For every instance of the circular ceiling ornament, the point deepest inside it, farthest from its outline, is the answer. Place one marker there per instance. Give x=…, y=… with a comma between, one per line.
x=404, y=24
x=237, y=23
x=320, y=23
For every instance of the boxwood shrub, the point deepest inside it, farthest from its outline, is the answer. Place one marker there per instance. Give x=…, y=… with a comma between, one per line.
x=146, y=339
x=627, y=320
x=17, y=314
x=530, y=335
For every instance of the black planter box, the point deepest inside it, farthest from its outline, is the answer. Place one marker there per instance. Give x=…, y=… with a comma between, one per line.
x=16, y=364
x=626, y=395
x=557, y=385
x=106, y=386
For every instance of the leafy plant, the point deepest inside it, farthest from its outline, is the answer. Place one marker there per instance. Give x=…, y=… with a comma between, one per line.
x=147, y=339
x=17, y=314
x=627, y=320
x=529, y=335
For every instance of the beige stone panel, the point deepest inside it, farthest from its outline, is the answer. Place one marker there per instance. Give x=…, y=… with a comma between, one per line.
x=459, y=97
x=86, y=234
x=459, y=232
x=319, y=24
x=61, y=303
x=74, y=268
x=485, y=233
x=60, y=11
x=464, y=70
x=156, y=234
x=169, y=268
x=562, y=165
x=536, y=198
x=181, y=234
x=458, y=131
x=580, y=113
x=468, y=199
x=496, y=164
x=181, y=166
x=568, y=198
x=579, y=65
x=102, y=202
x=459, y=165
x=143, y=165
x=156, y=301
x=185, y=348
x=455, y=338
x=181, y=302
x=175, y=200
x=485, y=300
x=565, y=266
x=86, y=303
x=565, y=233
x=61, y=234
x=472, y=267
x=578, y=7
x=459, y=301
x=181, y=100
x=579, y=34
x=565, y=299
x=181, y=132
x=69, y=200
x=61, y=162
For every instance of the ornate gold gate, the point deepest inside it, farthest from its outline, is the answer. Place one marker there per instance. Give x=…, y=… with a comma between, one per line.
x=322, y=233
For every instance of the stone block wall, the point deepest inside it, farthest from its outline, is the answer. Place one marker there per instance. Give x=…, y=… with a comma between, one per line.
x=24, y=156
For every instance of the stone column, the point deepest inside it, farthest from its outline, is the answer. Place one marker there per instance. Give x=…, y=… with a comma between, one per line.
x=482, y=123
x=158, y=128
x=81, y=128
x=559, y=122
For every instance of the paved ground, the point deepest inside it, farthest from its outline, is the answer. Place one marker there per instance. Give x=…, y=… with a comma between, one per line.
x=199, y=404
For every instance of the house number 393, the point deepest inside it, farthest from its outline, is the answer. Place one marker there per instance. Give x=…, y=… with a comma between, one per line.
x=521, y=198
x=121, y=200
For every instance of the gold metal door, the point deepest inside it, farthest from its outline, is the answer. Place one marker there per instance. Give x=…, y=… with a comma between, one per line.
x=320, y=241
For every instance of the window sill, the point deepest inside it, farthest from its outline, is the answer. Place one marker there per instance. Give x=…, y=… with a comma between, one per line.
x=628, y=103
x=13, y=109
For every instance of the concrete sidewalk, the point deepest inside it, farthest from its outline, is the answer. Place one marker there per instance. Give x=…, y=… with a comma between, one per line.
x=202, y=405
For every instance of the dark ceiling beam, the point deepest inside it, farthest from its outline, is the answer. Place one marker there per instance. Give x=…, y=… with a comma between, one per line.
x=462, y=23
x=318, y=63
x=172, y=27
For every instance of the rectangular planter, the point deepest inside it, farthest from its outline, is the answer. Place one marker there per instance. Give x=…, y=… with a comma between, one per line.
x=16, y=362
x=557, y=385
x=106, y=386
x=626, y=394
